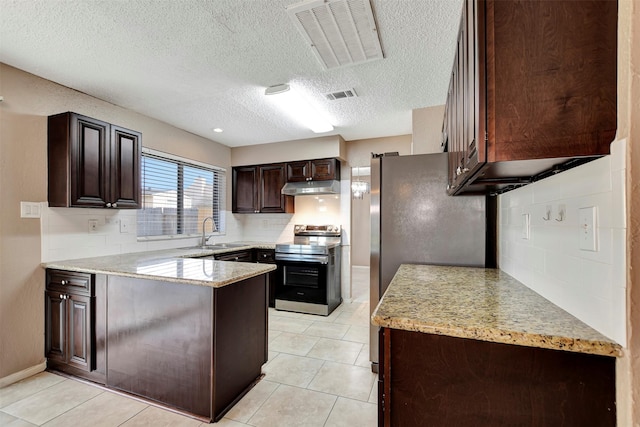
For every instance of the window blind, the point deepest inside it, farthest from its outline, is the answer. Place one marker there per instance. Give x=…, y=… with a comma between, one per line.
x=177, y=195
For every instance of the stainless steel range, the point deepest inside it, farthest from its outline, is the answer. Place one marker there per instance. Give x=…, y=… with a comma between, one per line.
x=309, y=270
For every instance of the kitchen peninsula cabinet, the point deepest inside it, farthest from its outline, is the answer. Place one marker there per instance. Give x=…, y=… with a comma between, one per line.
x=92, y=163
x=313, y=170
x=533, y=91
x=187, y=333
x=74, y=324
x=195, y=348
x=256, y=189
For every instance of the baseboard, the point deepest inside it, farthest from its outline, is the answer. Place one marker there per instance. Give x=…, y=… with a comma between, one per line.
x=25, y=373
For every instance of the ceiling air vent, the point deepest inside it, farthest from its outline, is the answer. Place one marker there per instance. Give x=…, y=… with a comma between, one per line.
x=349, y=93
x=340, y=32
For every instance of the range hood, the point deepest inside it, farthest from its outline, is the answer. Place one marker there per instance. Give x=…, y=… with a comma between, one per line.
x=310, y=188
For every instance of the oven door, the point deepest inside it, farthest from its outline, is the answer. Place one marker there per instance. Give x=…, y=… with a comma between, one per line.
x=302, y=278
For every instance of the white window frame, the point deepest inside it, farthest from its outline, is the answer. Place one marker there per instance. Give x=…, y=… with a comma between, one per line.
x=222, y=189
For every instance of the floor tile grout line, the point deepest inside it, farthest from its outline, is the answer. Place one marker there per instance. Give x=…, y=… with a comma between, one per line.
x=262, y=404
x=32, y=394
x=71, y=409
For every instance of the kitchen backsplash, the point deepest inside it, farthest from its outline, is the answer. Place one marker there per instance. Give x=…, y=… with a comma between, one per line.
x=591, y=285
x=65, y=231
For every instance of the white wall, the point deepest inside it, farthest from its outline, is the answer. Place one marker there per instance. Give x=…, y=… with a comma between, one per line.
x=589, y=285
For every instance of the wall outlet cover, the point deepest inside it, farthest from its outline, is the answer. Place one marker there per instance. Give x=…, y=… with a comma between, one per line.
x=526, y=226
x=588, y=232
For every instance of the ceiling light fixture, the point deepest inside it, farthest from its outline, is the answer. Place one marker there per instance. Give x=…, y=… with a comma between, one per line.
x=298, y=108
x=217, y=130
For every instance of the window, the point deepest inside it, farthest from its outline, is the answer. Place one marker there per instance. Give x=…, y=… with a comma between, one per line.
x=177, y=195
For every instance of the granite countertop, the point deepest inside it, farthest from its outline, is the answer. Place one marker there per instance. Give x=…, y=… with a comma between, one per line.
x=483, y=304
x=172, y=265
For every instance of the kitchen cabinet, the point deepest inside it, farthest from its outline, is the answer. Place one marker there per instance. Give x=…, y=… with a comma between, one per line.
x=92, y=163
x=256, y=189
x=533, y=91
x=313, y=170
x=197, y=349
x=268, y=256
x=72, y=321
x=238, y=256
x=436, y=380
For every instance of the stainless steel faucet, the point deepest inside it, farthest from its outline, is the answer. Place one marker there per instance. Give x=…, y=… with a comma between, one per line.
x=204, y=237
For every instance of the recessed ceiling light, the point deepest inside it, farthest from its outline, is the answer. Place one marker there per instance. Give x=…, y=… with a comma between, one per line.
x=218, y=130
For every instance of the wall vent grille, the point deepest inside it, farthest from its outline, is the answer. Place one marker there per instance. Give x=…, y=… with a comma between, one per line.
x=342, y=94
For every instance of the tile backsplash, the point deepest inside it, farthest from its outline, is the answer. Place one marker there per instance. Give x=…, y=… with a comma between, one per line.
x=66, y=235
x=591, y=285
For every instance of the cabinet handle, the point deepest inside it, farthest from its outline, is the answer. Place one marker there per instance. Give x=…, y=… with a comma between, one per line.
x=115, y=205
x=108, y=205
x=63, y=282
x=237, y=258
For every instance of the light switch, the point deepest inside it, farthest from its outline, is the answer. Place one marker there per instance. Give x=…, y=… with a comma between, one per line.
x=93, y=226
x=526, y=226
x=587, y=218
x=29, y=210
x=124, y=225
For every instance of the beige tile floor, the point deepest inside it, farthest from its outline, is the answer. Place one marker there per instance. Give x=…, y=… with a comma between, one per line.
x=318, y=374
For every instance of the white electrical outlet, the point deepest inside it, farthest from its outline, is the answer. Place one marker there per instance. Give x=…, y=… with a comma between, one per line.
x=124, y=225
x=526, y=226
x=588, y=232
x=93, y=226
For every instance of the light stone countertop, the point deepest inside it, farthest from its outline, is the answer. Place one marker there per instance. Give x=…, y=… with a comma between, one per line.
x=172, y=265
x=483, y=304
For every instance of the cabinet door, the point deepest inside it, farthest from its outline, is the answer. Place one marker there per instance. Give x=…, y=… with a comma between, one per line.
x=238, y=256
x=272, y=179
x=79, y=332
x=89, y=162
x=125, y=168
x=245, y=189
x=267, y=256
x=55, y=326
x=325, y=169
x=298, y=171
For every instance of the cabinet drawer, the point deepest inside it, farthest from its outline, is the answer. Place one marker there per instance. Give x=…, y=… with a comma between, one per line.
x=72, y=282
x=266, y=256
x=239, y=256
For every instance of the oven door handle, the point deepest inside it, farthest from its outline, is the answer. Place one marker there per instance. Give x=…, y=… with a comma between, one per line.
x=322, y=259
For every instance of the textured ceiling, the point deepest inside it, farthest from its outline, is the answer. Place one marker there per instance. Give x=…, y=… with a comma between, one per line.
x=202, y=64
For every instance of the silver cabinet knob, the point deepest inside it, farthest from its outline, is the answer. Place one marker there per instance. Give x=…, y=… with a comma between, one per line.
x=115, y=205
x=108, y=205
x=63, y=282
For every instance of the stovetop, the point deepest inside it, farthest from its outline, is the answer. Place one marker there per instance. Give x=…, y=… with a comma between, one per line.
x=312, y=239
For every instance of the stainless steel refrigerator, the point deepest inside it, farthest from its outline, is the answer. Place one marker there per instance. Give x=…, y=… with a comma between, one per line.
x=414, y=221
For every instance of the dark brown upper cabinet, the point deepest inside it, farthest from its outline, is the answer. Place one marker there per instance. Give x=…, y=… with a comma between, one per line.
x=92, y=163
x=313, y=170
x=532, y=91
x=256, y=189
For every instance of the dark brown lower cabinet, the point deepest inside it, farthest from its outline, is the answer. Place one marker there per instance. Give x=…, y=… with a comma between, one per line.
x=74, y=324
x=268, y=256
x=194, y=348
x=434, y=380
